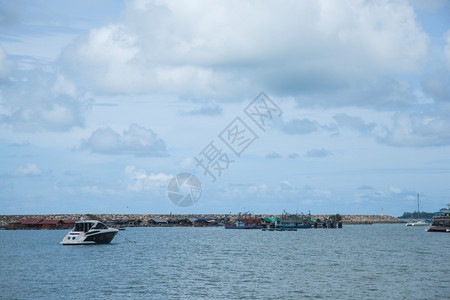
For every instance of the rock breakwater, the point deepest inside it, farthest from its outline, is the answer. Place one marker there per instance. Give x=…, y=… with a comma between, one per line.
x=146, y=219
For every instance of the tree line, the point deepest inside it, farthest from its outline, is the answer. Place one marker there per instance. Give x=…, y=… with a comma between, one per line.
x=413, y=215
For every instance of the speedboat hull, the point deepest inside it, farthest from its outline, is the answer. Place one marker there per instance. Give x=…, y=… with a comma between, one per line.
x=89, y=233
x=89, y=239
x=417, y=223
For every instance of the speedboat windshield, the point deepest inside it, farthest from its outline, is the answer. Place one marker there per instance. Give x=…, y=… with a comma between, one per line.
x=100, y=226
x=83, y=226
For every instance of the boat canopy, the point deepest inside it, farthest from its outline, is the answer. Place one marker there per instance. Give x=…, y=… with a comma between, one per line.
x=85, y=226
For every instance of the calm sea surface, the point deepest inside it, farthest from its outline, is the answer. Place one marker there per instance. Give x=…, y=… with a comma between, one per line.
x=356, y=262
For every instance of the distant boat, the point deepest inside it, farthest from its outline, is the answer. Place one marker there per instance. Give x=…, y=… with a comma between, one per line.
x=245, y=221
x=292, y=221
x=88, y=233
x=417, y=222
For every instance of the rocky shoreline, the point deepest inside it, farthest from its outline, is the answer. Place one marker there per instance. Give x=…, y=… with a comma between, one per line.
x=145, y=218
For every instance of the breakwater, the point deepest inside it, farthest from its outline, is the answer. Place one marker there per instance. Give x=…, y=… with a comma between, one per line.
x=148, y=219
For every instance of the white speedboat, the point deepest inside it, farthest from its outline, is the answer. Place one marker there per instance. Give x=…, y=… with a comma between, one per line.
x=88, y=233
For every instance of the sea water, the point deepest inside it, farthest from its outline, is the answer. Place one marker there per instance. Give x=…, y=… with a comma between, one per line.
x=380, y=261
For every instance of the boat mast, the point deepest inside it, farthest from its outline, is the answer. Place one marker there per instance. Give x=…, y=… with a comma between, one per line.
x=417, y=206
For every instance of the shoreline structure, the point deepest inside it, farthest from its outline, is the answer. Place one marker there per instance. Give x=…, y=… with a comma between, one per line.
x=145, y=219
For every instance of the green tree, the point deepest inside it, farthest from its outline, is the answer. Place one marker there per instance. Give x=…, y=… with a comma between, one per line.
x=336, y=217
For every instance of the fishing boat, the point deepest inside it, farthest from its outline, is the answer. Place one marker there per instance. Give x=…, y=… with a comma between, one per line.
x=89, y=232
x=244, y=221
x=441, y=221
x=417, y=222
x=293, y=221
x=288, y=222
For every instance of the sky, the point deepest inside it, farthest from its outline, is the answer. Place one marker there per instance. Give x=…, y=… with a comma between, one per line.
x=321, y=106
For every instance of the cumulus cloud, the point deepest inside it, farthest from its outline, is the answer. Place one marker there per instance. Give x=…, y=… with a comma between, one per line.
x=136, y=140
x=41, y=100
x=30, y=169
x=195, y=49
x=140, y=180
x=419, y=129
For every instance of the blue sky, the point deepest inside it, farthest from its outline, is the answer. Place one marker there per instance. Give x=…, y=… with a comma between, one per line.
x=103, y=102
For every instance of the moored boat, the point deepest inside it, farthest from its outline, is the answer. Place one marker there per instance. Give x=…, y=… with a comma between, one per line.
x=288, y=222
x=293, y=221
x=89, y=232
x=441, y=221
x=417, y=223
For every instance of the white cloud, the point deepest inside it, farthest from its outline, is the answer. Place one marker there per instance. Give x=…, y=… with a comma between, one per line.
x=108, y=56
x=204, y=49
x=419, y=129
x=139, y=180
x=136, y=140
x=30, y=169
x=38, y=100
